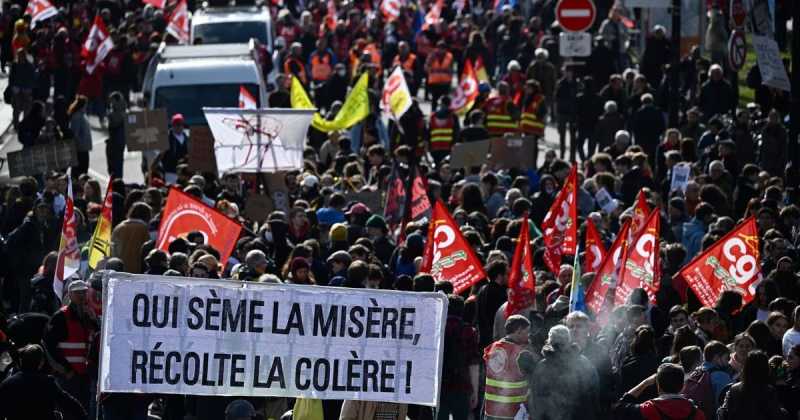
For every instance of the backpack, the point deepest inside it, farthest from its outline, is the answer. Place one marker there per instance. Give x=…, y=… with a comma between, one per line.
x=698, y=389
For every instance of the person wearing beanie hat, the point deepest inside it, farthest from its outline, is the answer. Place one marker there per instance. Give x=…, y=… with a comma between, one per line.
x=564, y=381
x=338, y=232
x=382, y=245
x=299, y=272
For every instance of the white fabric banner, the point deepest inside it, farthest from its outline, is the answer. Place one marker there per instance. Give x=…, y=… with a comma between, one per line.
x=172, y=335
x=258, y=140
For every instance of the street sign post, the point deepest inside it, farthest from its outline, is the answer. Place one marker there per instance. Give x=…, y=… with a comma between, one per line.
x=576, y=15
x=575, y=44
x=737, y=50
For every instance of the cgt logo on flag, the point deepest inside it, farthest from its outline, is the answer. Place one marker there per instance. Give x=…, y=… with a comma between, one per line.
x=184, y=213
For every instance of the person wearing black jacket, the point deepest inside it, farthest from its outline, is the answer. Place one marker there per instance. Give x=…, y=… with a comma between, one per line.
x=32, y=395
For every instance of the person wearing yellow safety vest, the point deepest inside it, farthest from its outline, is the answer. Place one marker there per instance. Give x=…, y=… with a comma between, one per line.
x=531, y=122
x=444, y=129
x=500, y=111
x=509, y=363
x=439, y=70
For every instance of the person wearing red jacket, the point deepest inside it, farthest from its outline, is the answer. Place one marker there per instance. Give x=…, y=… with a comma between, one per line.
x=668, y=405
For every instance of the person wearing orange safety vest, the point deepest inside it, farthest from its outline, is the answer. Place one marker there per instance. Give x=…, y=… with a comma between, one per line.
x=509, y=363
x=67, y=341
x=439, y=70
x=408, y=61
x=294, y=63
x=320, y=64
x=500, y=112
x=443, y=128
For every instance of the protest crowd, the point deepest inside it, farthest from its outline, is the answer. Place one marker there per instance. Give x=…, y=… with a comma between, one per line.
x=624, y=265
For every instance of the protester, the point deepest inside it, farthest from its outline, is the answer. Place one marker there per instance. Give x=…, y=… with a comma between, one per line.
x=669, y=403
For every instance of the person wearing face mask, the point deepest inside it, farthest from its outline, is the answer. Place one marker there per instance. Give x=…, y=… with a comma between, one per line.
x=67, y=341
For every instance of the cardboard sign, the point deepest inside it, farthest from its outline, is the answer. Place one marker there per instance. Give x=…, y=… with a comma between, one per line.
x=680, y=177
x=773, y=72
x=605, y=201
x=465, y=155
x=41, y=159
x=146, y=130
x=201, y=150
x=278, y=192
x=513, y=152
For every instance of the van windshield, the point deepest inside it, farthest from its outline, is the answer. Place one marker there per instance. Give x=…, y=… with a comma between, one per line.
x=189, y=100
x=230, y=33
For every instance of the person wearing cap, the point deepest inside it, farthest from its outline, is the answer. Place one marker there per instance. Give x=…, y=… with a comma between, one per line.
x=339, y=262
x=357, y=217
x=67, y=341
x=439, y=70
x=178, y=148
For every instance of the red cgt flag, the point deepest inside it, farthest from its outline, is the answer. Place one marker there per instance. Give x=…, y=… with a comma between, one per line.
x=97, y=45
x=40, y=10
x=606, y=275
x=178, y=25
x=559, y=226
x=521, y=281
x=184, y=213
x=732, y=263
x=448, y=256
x=595, y=251
x=640, y=212
x=640, y=267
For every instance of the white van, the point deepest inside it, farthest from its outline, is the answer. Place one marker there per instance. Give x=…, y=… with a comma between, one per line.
x=232, y=25
x=185, y=78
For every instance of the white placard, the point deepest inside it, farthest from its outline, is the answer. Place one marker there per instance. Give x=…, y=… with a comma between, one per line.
x=172, y=335
x=604, y=200
x=575, y=44
x=773, y=72
x=258, y=140
x=680, y=177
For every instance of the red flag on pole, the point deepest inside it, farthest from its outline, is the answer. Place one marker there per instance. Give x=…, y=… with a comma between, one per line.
x=246, y=99
x=97, y=45
x=640, y=212
x=559, y=226
x=178, y=25
x=732, y=263
x=40, y=10
x=595, y=251
x=69, y=255
x=448, y=256
x=521, y=281
x=640, y=266
x=156, y=3
x=606, y=276
x=184, y=213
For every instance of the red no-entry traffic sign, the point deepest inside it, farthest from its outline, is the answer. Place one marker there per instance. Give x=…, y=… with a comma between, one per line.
x=737, y=50
x=575, y=15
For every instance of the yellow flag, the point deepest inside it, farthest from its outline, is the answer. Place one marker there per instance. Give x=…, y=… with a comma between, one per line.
x=354, y=109
x=100, y=245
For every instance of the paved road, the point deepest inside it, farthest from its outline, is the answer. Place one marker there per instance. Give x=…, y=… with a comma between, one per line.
x=132, y=173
